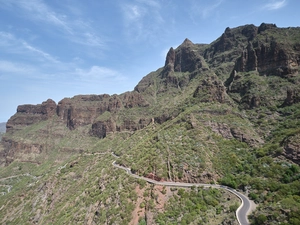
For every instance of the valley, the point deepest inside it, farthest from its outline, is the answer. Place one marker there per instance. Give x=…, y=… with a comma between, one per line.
x=217, y=123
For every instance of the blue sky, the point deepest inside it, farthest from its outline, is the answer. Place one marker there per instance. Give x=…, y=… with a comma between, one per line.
x=56, y=49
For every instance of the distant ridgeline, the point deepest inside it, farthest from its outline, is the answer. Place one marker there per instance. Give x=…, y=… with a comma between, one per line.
x=2, y=129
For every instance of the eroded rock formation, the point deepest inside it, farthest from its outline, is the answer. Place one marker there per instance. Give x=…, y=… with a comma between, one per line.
x=30, y=114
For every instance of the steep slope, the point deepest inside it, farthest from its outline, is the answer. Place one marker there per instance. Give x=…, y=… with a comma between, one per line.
x=225, y=112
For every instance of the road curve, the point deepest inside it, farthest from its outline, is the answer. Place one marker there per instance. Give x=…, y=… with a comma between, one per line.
x=241, y=213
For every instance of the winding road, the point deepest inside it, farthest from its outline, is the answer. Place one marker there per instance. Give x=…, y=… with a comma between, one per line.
x=241, y=213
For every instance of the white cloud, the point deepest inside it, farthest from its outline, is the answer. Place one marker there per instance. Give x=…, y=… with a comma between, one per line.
x=36, y=9
x=97, y=74
x=274, y=5
x=7, y=67
x=152, y=3
x=143, y=19
x=11, y=44
x=40, y=52
x=133, y=12
x=204, y=10
x=207, y=11
x=75, y=30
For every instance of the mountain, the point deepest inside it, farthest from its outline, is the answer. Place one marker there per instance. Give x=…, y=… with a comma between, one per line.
x=225, y=112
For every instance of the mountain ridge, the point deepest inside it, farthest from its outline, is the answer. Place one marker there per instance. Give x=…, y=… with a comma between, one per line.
x=222, y=112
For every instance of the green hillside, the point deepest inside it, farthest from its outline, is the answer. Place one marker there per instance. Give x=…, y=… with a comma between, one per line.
x=222, y=113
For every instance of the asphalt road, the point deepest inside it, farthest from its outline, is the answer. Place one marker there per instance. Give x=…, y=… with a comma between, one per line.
x=241, y=212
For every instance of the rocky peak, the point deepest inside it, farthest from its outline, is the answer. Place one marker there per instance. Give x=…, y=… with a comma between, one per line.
x=266, y=26
x=170, y=59
x=228, y=47
x=249, y=31
x=187, y=43
x=185, y=58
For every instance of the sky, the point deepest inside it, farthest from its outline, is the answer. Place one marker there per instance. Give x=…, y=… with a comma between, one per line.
x=56, y=49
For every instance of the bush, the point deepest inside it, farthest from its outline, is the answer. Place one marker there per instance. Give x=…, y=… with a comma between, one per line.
x=229, y=181
x=234, y=207
x=261, y=219
x=253, y=196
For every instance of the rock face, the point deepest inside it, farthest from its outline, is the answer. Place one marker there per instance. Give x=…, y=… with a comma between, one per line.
x=78, y=111
x=84, y=109
x=269, y=56
x=230, y=45
x=133, y=99
x=187, y=60
x=211, y=90
x=292, y=97
x=184, y=59
x=291, y=148
x=15, y=149
x=30, y=114
x=102, y=128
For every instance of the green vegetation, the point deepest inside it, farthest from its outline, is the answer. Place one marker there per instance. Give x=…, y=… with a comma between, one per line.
x=196, y=206
x=245, y=136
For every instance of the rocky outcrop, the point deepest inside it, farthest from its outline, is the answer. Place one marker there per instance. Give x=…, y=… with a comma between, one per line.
x=186, y=58
x=228, y=132
x=170, y=61
x=269, y=58
x=45, y=110
x=82, y=110
x=292, y=97
x=30, y=114
x=101, y=128
x=266, y=26
x=222, y=129
x=133, y=99
x=230, y=45
x=253, y=78
x=17, y=149
x=226, y=41
x=246, y=137
x=291, y=146
x=211, y=90
x=78, y=111
x=268, y=55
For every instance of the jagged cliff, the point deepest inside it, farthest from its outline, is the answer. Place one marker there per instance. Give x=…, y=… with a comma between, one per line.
x=211, y=110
